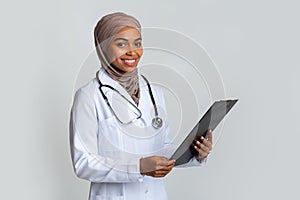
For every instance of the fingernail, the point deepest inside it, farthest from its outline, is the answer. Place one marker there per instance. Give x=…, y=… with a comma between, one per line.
x=202, y=137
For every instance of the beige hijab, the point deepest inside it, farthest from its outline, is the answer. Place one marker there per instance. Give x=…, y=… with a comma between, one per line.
x=106, y=28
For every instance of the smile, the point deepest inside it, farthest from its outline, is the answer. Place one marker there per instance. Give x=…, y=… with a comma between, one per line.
x=129, y=62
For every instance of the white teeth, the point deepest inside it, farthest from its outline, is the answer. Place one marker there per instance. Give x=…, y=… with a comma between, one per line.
x=129, y=61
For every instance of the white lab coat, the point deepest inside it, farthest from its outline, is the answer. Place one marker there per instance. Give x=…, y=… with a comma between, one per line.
x=108, y=155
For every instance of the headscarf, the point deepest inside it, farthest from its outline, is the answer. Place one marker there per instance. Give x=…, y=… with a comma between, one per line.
x=106, y=28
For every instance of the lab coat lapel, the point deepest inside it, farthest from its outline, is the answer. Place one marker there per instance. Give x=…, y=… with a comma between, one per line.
x=145, y=104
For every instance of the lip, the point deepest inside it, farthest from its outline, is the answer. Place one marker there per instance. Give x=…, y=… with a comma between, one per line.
x=130, y=61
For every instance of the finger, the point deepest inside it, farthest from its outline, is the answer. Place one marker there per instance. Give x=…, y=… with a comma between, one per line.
x=165, y=168
x=205, y=148
x=199, y=150
x=202, y=142
x=155, y=174
x=201, y=155
x=209, y=135
x=166, y=162
x=160, y=173
x=197, y=142
x=207, y=144
x=202, y=151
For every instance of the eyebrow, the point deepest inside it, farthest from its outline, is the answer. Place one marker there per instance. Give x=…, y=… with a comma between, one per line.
x=127, y=39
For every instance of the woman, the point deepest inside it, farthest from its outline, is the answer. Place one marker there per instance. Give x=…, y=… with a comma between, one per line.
x=122, y=162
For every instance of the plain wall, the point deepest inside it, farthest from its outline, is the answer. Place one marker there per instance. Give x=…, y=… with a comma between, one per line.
x=254, y=44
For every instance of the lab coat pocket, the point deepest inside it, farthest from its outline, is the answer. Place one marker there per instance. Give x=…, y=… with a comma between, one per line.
x=109, y=138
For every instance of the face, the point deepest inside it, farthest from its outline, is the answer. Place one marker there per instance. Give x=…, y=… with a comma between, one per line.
x=125, y=49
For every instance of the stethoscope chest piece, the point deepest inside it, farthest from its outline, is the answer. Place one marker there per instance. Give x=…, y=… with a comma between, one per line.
x=157, y=122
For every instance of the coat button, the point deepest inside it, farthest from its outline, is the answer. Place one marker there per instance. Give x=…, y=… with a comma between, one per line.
x=146, y=191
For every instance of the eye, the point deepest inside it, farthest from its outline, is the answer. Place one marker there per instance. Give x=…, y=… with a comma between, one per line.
x=138, y=44
x=121, y=44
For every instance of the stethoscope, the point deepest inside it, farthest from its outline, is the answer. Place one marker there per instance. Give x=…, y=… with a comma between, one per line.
x=157, y=122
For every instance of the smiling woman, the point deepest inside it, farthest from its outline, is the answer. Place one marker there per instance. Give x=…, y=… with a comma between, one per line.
x=126, y=49
x=121, y=165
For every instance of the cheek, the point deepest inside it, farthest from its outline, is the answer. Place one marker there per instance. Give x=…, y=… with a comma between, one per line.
x=140, y=52
x=115, y=53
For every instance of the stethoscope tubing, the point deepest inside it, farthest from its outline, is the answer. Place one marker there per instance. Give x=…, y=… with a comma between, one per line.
x=156, y=121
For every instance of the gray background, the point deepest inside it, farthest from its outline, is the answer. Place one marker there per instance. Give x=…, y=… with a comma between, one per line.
x=254, y=45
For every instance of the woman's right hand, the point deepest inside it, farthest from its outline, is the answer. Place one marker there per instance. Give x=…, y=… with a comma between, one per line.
x=156, y=166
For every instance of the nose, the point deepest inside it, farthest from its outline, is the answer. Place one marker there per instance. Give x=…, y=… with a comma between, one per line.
x=131, y=50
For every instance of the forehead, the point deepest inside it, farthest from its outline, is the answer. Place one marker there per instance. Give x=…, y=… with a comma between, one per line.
x=127, y=33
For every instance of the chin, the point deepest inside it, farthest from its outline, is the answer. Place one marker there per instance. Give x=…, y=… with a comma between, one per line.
x=129, y=70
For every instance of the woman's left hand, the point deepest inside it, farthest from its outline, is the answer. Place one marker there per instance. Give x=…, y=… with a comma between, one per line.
x=203, y=146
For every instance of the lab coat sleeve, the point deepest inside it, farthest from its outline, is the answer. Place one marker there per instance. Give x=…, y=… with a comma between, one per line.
x=87, y=163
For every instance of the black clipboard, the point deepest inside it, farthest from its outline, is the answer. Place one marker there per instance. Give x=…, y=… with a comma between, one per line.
x=210, y=120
